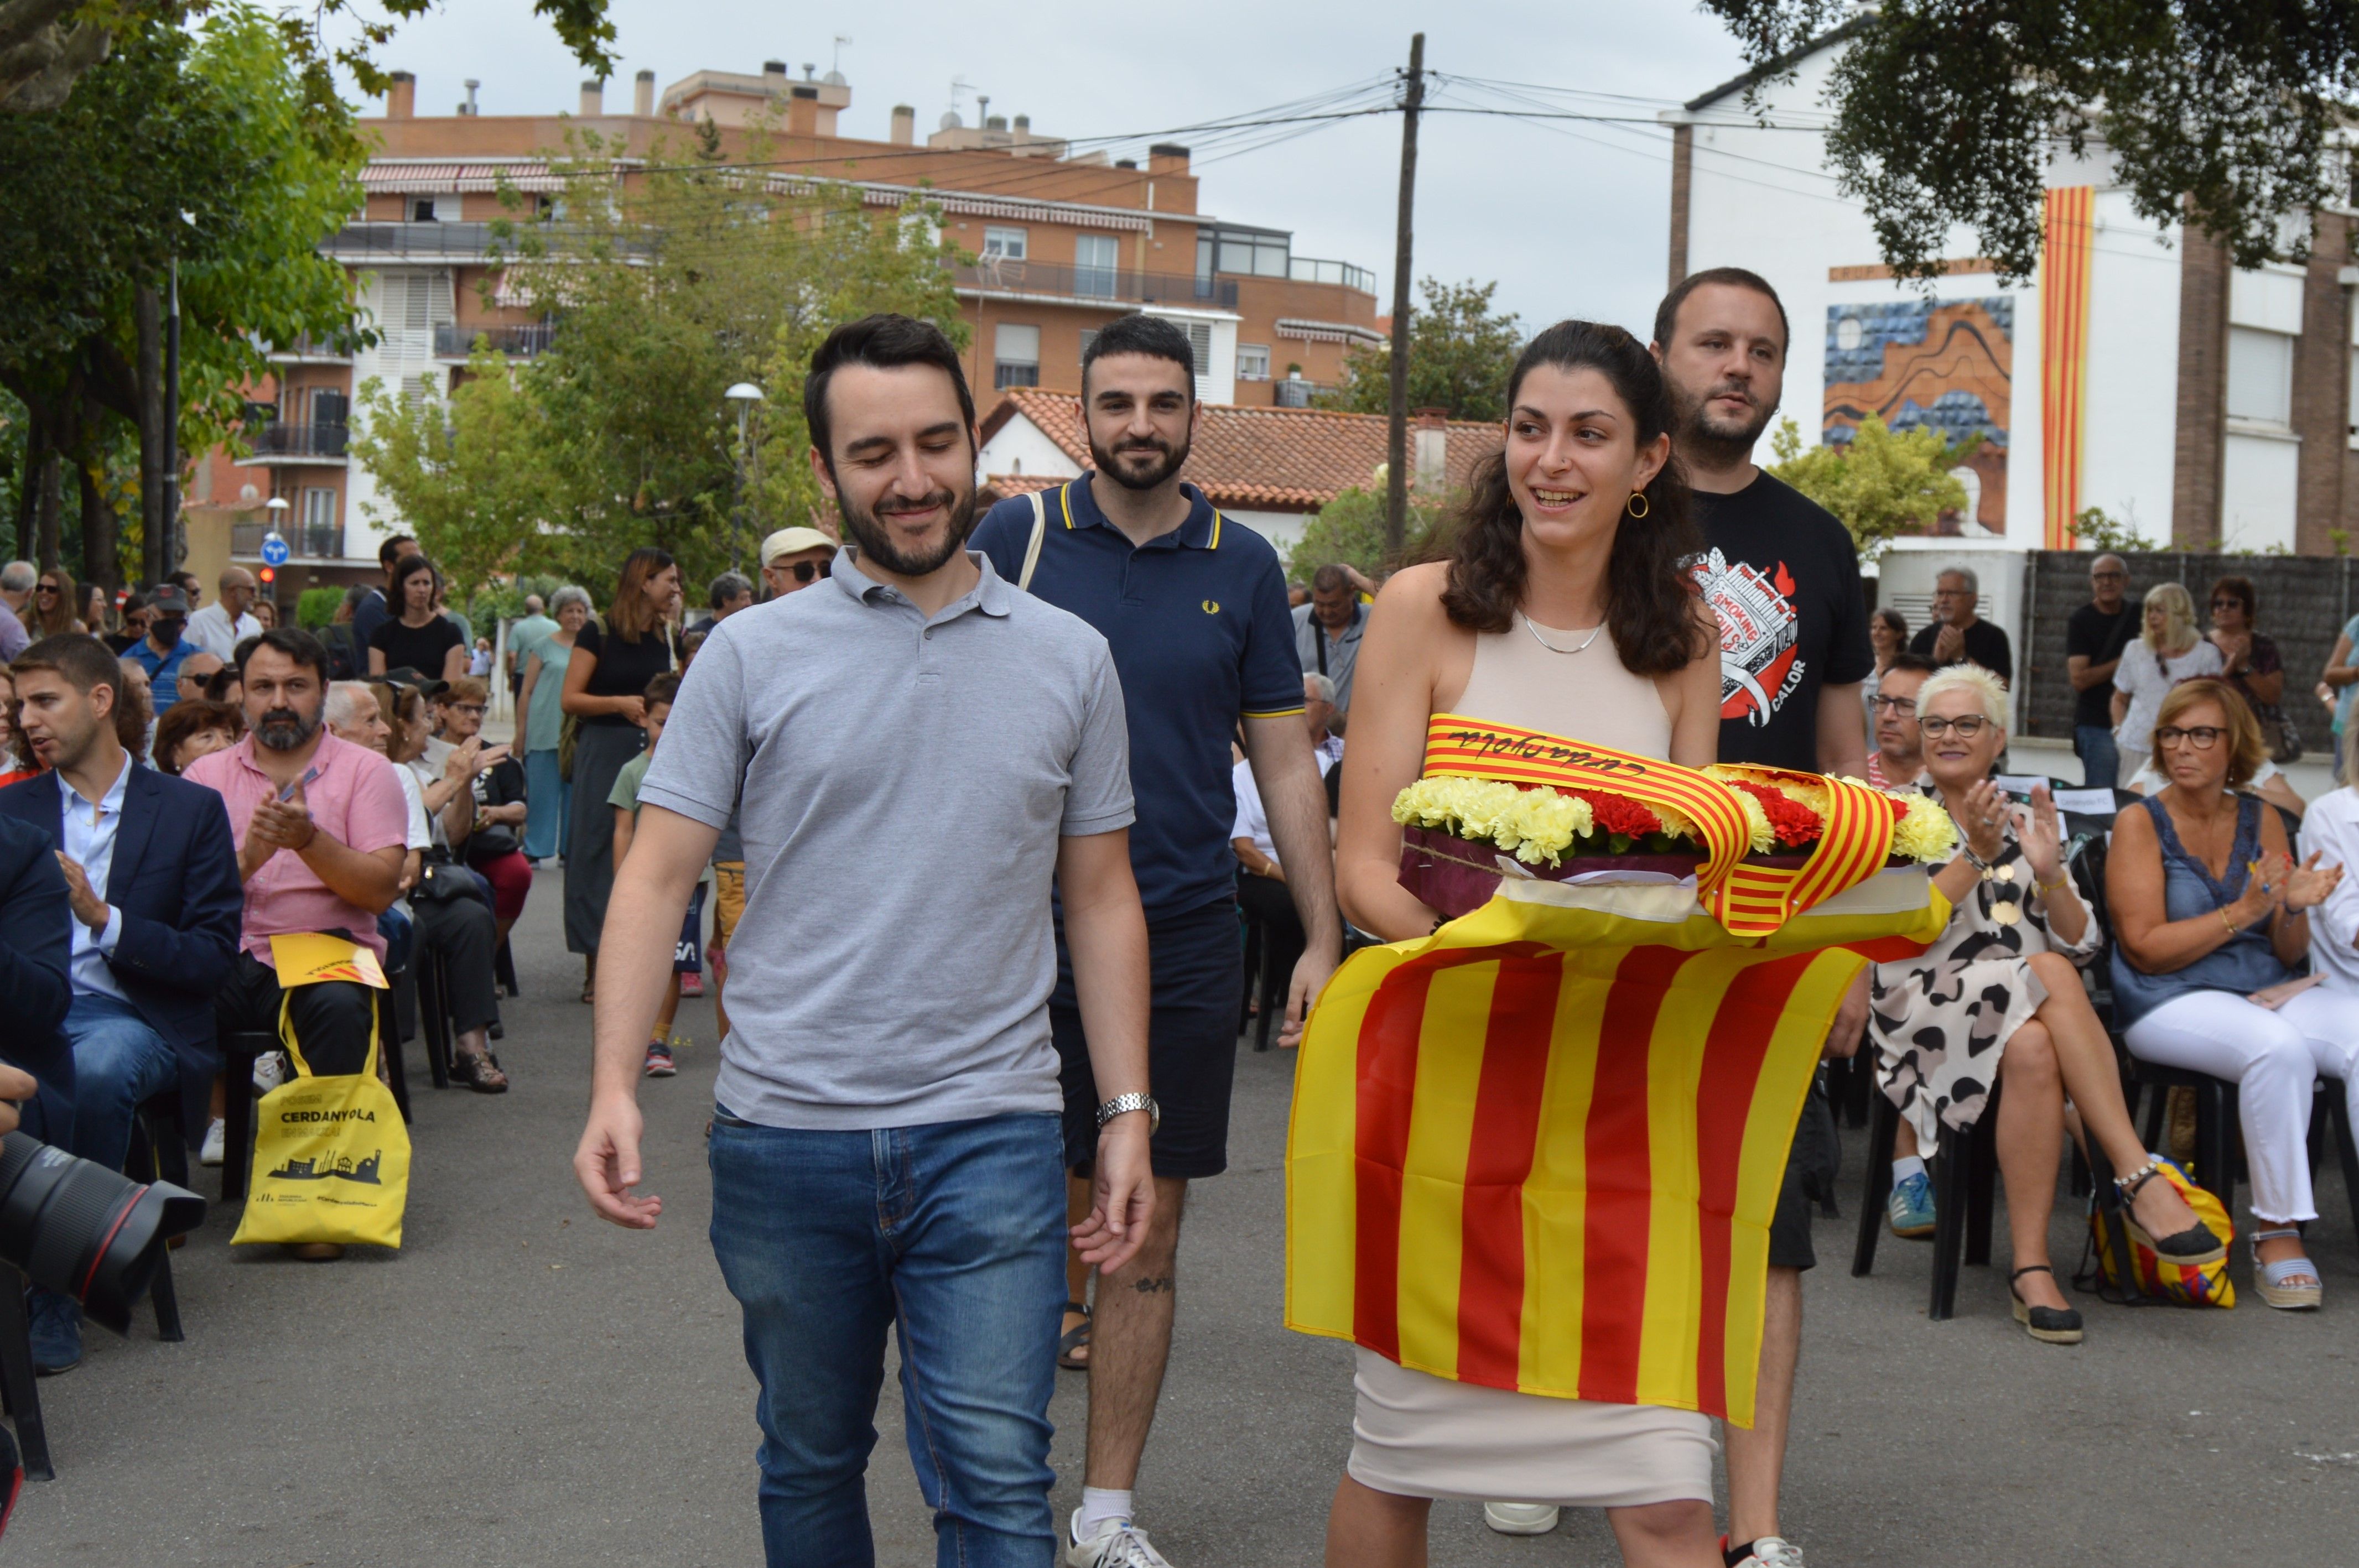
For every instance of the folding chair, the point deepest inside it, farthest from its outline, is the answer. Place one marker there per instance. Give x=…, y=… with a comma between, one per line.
x=1964, y=1172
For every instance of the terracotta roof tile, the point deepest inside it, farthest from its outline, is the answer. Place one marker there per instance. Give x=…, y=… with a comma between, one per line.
x=1275, y=460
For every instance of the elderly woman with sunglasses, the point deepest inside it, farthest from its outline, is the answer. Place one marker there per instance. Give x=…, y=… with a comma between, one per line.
x=1997, y=1000
x=2210, y=913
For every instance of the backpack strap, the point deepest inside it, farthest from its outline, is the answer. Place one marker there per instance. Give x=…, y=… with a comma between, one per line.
x=1032, y=548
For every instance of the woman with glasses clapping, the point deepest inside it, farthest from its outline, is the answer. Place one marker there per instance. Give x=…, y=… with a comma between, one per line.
x=2211, y=914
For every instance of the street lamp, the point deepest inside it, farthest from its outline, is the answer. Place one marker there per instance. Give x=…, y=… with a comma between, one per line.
x=744, y=395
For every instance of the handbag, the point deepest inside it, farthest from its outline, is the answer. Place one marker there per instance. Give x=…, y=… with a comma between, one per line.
x=2186, y=1284
x=2277, y=729
x=331, y=1155
x=439, y=882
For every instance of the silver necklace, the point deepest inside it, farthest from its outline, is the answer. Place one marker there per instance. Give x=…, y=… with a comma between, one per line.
x=1529, y=625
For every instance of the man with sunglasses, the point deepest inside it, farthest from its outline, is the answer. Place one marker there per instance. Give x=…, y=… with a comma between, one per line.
x=1899, y=753
x=2094, y=640
x=793, y=558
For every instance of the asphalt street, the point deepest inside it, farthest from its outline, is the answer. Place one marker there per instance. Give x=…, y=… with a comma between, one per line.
x=522, y=1385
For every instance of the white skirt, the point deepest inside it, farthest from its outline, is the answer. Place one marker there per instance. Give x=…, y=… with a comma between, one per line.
x=1416, y=1436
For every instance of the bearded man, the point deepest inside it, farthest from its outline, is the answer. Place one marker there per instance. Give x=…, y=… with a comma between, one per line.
x=1194, y=606
x=321, y=828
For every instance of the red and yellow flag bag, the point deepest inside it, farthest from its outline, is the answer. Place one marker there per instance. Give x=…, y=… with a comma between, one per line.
x=1540, y=1149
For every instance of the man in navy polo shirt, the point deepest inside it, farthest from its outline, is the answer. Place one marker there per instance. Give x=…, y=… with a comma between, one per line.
x=1194, y=606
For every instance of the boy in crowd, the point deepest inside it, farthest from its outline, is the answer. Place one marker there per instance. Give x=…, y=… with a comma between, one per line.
x=625, y=799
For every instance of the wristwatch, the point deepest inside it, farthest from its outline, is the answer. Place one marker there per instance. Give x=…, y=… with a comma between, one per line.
x=1121, y=1103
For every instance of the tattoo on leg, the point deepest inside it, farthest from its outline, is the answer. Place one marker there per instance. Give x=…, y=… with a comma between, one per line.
x=1156, y=1284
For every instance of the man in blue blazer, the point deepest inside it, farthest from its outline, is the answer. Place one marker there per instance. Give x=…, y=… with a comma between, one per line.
x=152, y=885
x=33, y=986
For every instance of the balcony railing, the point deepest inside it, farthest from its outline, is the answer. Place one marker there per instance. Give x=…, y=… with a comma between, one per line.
x=307, y=348
x=316, y=541
x=518, y=340
x=372, y=241
x=282, y=440
x=1110, y=284
x=1294, y=393
x=1310, y=269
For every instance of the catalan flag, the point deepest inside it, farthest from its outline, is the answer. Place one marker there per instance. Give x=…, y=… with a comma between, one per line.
x=1539, y=1149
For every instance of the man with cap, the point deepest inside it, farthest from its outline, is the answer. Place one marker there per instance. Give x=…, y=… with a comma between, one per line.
x=793, y=558
x=165, y=646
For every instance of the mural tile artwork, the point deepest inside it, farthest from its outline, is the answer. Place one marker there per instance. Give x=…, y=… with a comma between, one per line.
x=1947, y=364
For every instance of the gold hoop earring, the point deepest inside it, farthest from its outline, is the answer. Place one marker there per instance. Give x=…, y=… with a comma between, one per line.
x=1638, y=505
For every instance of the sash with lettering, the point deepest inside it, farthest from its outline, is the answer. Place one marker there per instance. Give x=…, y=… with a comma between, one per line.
x=1540, y=1149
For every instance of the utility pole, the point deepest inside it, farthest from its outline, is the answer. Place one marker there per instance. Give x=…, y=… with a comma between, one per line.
x=1396, y=432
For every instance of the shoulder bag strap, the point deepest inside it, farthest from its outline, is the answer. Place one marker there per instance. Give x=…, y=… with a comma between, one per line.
x=1032, y=546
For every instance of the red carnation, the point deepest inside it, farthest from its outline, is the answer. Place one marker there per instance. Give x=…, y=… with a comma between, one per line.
x=1789, y=819
x=1620, y=813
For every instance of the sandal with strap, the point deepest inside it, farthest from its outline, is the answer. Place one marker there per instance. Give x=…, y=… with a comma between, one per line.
x=2194, y=1246
x=2273, y=1280
x=480, y=1071
x=2050, y=1326
x=1074, y=1339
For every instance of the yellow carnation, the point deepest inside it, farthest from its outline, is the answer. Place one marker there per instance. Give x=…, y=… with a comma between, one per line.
x=1763, y=837
x=1924, y=832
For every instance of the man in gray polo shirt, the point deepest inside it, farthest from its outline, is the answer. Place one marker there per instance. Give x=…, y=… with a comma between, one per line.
x=915, y=749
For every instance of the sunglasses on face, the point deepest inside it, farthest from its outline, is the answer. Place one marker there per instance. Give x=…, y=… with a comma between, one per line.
x=2219, y=604
x=1968, y=726
x=2203, y=737
x=48, y=588
x=805, y=571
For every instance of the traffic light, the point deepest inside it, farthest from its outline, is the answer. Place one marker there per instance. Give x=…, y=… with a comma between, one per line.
x=269, y=575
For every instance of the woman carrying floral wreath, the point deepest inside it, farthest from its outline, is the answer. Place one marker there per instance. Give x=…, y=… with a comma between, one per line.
x=1560, y=609
x=1999, y=1000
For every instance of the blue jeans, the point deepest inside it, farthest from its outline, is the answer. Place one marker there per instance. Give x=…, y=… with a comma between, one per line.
x=2101, y=759
x=546, y=798
x=952, y=1233
x=119, y=1061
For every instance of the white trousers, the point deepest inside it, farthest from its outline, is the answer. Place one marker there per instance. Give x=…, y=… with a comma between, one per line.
x=2275, y=1059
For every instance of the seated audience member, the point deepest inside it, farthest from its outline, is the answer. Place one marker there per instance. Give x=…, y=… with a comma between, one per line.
x=154, y=901
x=1999, y=1000
x=450, y=913
x=15, y=763
x=194, y=730
x=491, y=834
x=1261, y=888
x=1897, y=757
x=2331, y=831
x=623, y=799
x=164, y=650
x=36, y=951
x=2210, y=913
x=2269, y=782
x=321, y=828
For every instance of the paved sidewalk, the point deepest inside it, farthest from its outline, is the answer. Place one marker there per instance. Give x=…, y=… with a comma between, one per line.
x=523, y=1386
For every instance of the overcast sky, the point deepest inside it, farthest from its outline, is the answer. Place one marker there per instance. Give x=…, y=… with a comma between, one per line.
x=1570, y=218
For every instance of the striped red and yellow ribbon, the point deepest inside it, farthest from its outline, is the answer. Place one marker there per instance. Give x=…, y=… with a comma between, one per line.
x=1857, y=840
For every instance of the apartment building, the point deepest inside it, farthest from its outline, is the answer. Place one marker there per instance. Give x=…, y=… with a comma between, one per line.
x=1062, y=242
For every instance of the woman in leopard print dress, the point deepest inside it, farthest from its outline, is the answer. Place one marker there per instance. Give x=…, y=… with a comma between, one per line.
x=1999, y=998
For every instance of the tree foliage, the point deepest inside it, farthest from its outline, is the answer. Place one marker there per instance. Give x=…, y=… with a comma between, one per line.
x=666, y=291
x=1882, y=485
x=465, y=474
x=1949, y=111
x=47, y=46
x=1350, y=531
x=1460, y=352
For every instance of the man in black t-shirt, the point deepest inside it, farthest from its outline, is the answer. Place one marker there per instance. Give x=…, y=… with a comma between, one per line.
x=1958, y=635
x=2094, y=640
x=1782, y=576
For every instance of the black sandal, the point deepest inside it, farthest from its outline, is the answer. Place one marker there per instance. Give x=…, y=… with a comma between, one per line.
x=2194, y=1246
x=480, y=1071
x=2050, y=1326
x=1074, y=1339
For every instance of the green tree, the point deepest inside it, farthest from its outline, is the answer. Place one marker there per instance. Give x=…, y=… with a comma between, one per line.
x=47, y=46
x=465, y=474
x=1949, y=114
x=1882, y=485
x=1460, y=352
x=1350, y=531
x=669, y=290
x=209, y=148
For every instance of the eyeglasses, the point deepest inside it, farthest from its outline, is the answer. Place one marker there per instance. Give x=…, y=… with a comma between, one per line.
x=474, y=709
x=1903, y=706
x=1968, y=726
x=2203, y=737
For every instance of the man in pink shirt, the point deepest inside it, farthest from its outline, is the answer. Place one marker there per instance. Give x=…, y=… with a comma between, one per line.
x=321, y=826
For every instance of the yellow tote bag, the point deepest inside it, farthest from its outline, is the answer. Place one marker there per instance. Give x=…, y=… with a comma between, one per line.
x=331, y=1155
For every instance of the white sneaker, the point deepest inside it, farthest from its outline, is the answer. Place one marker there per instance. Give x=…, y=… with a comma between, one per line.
x=1520, y=1518
x=1117, y=1543
x=1772, y=1552
x=216, y=1143
x=270, y=1070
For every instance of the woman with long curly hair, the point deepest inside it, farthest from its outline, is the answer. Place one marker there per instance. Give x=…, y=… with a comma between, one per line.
x=1561, y=607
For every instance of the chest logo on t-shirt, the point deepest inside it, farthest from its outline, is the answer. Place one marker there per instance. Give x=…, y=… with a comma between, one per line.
x=1212, y=607
x=1759, y=633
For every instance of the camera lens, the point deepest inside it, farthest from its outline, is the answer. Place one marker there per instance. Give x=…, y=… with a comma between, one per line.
x=76, y=1227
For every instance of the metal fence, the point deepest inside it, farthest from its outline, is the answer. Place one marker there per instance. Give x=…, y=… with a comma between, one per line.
x=2305, y=601
x=456, y=340
x=274, y=439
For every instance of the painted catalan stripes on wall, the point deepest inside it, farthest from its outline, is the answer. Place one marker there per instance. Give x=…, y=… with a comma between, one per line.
x=2064, y=356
